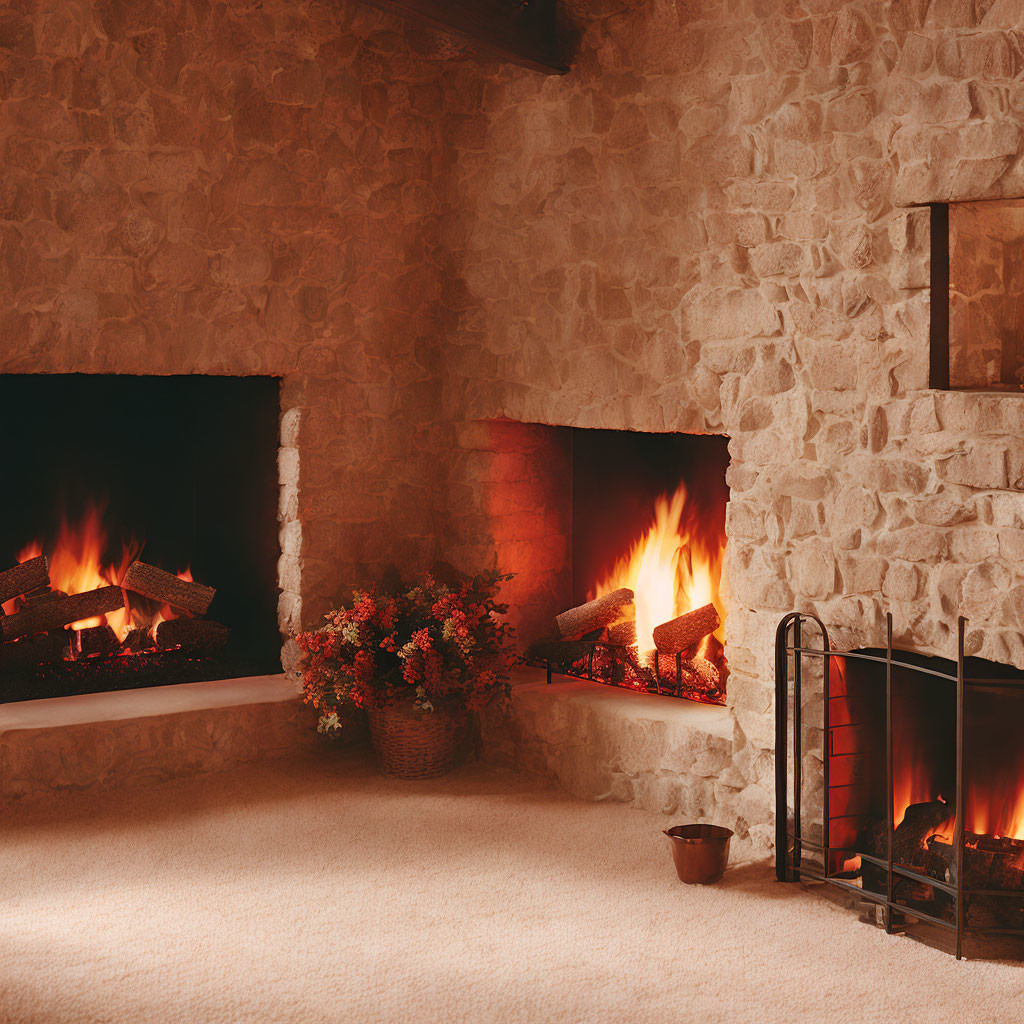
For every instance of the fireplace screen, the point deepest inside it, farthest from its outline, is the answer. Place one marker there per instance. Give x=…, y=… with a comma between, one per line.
x=138, y=535
x=914, y=804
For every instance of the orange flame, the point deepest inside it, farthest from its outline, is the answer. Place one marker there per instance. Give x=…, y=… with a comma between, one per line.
x=674, y=568
x=993, y=792
x=994, y=783
x=913, y=784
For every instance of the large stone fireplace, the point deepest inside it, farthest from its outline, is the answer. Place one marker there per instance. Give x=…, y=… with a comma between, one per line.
x=716, y=224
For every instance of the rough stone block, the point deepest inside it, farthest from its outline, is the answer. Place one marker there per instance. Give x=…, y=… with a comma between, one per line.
x=603, y=742
x=132, y=738
x=982, y=465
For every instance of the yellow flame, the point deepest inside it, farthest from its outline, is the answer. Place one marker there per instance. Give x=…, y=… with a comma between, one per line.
x=674, y=568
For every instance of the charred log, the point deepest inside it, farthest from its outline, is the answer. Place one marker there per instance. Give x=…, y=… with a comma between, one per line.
x=198, y=634
x=596, y=614
x=34, y=650
x=95, y=640
x=919, y=824
x=40, y=596
x=49, y=615
x=622, y=633
x=686, y=631
x=24, y=577
x=138, y=640
x=149, y=581
x=703, y=677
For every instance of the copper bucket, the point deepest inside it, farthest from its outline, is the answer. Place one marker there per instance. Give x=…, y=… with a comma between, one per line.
x=701, y=852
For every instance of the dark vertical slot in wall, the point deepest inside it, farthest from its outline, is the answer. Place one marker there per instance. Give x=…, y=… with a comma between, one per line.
x=186, y=464
x=938, y=370
x=618, y=475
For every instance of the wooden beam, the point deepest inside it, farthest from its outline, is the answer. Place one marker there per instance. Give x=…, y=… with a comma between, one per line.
x=520, y=31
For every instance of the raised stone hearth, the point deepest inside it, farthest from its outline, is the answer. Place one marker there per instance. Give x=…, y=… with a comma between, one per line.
x=129, y=738
x=606, y=743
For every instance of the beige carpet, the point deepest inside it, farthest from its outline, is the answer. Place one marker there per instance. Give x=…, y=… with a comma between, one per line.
x=321, y=892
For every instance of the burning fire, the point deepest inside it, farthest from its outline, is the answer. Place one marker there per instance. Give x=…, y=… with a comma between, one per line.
x=674, y=568
x=77, y=565
x=912, y=784
x=993, y=792
x=995, y=814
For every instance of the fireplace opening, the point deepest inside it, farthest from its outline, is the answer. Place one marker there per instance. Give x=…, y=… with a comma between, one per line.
x=138, y=538
x=919, y=807
x=647, y=546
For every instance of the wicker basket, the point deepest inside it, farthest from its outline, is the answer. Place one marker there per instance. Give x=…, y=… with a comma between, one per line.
x=411, y=745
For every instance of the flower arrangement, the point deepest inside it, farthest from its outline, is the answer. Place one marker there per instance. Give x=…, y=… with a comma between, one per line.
x=431, y=642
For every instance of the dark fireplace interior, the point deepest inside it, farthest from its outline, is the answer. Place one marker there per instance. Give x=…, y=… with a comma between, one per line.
x=648, y=516
x=177, y=472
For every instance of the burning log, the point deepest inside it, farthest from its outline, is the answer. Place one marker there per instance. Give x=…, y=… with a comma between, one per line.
x=623, y=634
x=33, y=650
x=705, y=676
x=920, y=822
x=687, y=630
x=202, y=634
x=149, y=581
x=48, y=615
x=594, y=614
x=138, y=640
x=94, y=640
x=40, y=596
x=24, y=577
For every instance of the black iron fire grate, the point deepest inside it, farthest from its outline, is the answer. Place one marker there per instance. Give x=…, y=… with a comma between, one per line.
x=600, y=661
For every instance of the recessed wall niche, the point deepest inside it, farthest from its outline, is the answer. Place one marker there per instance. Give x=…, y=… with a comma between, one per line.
x=977, y=281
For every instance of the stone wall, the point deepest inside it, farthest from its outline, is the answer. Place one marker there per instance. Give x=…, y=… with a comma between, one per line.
x=241, y=189
x=708, y=226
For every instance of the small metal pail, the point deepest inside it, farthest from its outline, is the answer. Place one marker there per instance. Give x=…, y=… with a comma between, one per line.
x=700, y=852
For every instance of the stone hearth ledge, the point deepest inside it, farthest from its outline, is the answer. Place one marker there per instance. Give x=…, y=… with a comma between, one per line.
x=129, y=738
x=607, y=743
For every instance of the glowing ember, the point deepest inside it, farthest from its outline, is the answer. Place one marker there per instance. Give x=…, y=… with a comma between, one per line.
x=674, y=568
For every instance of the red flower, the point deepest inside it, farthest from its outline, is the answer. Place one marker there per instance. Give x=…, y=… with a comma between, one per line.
x=364, y=609
x=434, y=636
x=365, y=666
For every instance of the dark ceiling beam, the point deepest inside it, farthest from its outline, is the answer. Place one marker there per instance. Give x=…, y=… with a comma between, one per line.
x=520, y=31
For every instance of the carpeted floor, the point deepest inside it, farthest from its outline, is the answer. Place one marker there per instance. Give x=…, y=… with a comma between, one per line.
x=322, y=892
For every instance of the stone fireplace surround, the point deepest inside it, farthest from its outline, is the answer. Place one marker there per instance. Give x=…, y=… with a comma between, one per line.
x=710, y=225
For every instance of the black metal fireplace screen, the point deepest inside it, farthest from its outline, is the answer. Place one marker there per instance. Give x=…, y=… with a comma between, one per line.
x=943, y=889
